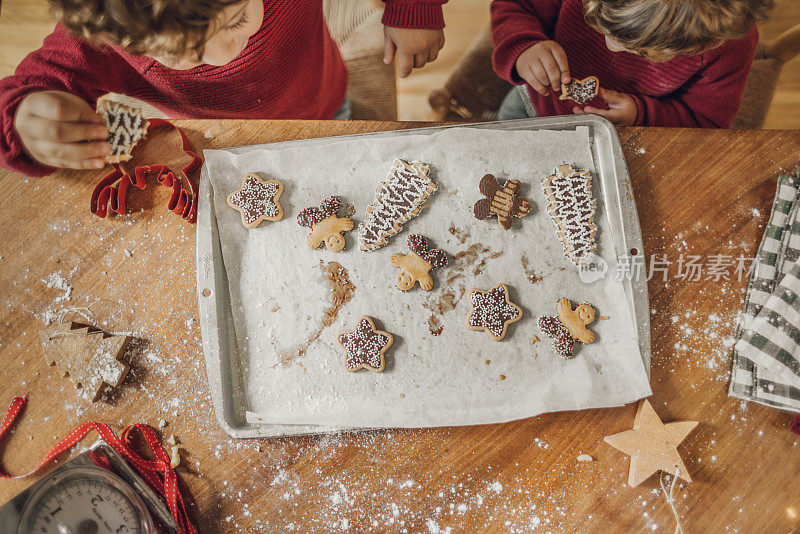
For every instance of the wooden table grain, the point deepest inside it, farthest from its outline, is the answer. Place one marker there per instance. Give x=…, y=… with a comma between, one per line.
x=700, y=193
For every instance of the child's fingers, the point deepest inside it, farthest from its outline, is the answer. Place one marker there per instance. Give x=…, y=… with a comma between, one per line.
x=530, y=77
x=70, y=154
x=420, y=60
x=433, y=53
x=64, y=132
x=64, y=107
x=552, y=70
x=541, y=76
x=563, y=65
x=389, y=49
x=405, y=63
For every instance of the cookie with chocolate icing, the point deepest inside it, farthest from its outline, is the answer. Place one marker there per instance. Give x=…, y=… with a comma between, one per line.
x=572, y=207
x=492, y=311
x=365, y=346
x=397, y=201
x=257, y=200
x=581, y=91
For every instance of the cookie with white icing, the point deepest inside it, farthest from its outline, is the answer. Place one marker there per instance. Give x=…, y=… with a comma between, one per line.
x=572, y=208
x=397, y=201
x=125, y=125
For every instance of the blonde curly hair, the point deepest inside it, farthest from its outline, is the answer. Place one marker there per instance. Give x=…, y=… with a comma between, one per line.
x=166, y=28
x=660, y=30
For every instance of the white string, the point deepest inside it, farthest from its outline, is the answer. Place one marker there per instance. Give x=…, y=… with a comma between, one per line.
x=671, y=499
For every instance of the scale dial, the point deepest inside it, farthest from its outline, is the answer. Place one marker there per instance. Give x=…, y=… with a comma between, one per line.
x=86, y=500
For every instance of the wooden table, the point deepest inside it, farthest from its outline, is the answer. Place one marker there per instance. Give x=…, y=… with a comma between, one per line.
x=698, y=192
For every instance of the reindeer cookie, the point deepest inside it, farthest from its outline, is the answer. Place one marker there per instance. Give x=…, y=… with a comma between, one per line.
x=417, y=264
x=326, y=226
x=503, y=201
x=568, y=327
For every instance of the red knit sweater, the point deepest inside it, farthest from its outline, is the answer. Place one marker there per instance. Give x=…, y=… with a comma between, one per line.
x=696, y=91
x=290, y=69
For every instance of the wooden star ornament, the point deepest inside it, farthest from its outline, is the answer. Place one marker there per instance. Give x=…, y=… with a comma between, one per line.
x=652, y=445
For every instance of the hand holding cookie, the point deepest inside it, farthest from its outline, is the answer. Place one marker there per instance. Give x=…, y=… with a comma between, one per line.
x=544, y=66
x=622, y=109
x=61, y=130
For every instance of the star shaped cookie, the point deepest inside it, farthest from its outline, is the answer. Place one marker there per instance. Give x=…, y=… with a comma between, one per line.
x=257, y=200
x=652, y=445
x=492, y=311
x=365, y=346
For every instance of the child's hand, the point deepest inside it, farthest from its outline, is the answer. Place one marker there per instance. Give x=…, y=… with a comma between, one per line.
x=413, y=48
x=622, y=108
x=544, y=65
x=61, y=130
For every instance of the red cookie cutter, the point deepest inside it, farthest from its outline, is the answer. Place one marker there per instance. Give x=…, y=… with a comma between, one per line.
x=107, y=195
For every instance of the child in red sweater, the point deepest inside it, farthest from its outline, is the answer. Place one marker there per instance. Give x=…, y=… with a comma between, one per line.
x=660, y=62
x=248, y=59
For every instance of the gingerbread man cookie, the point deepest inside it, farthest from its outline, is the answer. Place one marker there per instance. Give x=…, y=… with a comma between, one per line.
x=417, y=264
x=568, y=327
x=503, y=201
x=492, y=311
x=257, y=200
x=326, y=225
x=365, y=346
x=581, y=91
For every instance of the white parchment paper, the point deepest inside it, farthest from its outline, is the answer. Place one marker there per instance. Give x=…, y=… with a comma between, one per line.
x=278, y=294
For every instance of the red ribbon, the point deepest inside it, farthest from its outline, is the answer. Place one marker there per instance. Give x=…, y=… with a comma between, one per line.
x=157, y=472
x=182, y=203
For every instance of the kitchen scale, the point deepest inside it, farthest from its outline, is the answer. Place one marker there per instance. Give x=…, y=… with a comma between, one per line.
x=96, y=492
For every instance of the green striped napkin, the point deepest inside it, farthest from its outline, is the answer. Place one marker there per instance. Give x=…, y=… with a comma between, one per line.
x=766, y=357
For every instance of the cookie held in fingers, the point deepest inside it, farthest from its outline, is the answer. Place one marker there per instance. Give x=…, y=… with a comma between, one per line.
x=492, y=311
x=257, y=200
x=502, y=201
x=416, y=266
x=581, y=91
x=125, y=125
x=326, y=225
x=365, y=346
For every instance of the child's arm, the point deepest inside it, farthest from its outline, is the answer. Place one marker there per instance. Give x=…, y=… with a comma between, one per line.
x=412, y=33
x=523, y=50
x=710, y=100
x=46, y=115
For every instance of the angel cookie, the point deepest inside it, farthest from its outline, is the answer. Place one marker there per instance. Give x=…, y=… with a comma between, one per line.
x=568, y=327
x=417, y=264
x=365, y=346
x=492, y=311
x=397, y=200
x=257, y=200
x=326, y=226
x=572, y=207
x=503, y=201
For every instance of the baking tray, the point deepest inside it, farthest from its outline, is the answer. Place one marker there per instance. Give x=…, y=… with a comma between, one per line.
x=218, y=335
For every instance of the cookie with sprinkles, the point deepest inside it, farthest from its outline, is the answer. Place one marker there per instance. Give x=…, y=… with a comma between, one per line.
x=581, y=91
x=365, y=346
x=416, y=266
x=257, y=200
x=569, y=327
x=492, y=311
